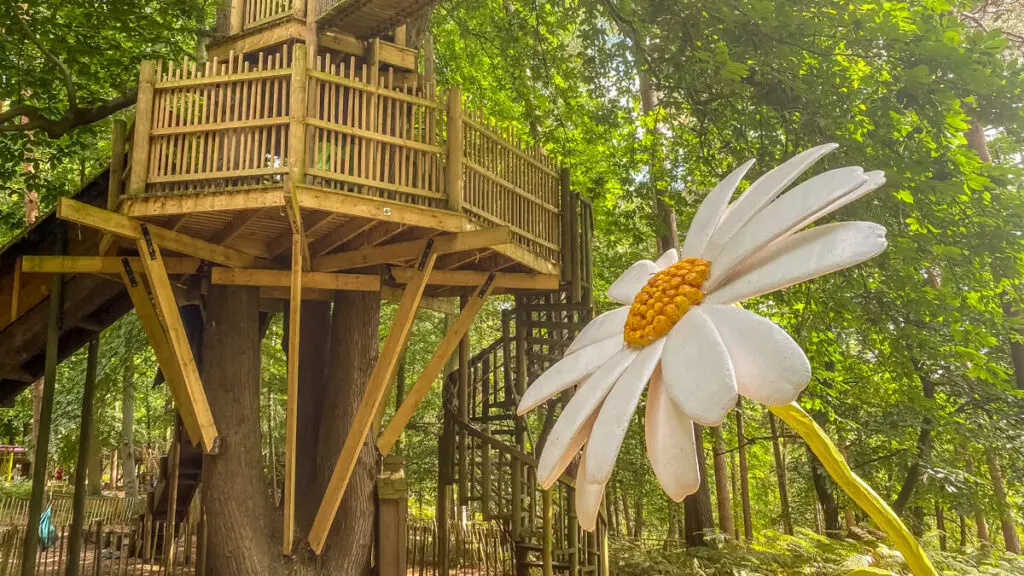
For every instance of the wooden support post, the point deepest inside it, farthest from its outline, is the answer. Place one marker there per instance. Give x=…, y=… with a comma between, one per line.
x=576, y=263
x=173, y=461
x=566, y=228
x=393, y=510
x=143, y=124
x=237, y=16
x=400, y=35
x=147, y=532
x=547, y=543
x=35, y=506
x=485, y=476
x=462, y=404
x=455, y=336
x=115, y=186
x=520, y=426
x=292, y=412
x=374, y=395
x=297, y=144
x=84, y=443
x=455, y=151
x=181, y=350
x=574, y=532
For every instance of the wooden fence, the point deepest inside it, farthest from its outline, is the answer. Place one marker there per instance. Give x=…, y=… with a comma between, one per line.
x=258, y=12
x=109, y=551
x=478, y=549
x=111, y=512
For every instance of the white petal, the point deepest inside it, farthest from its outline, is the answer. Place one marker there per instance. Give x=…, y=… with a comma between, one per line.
x=603, y=327
x=875, y=179
x=584, y=403
x=625, y=288
x=570, y=451
x=801, y=257
x=770, y=367
x=670, y=257
x=670, y=443
x=760, y=193
x=697, y=370
x=588, y=499
x=568, y=371
x=792, y=211
x=617, y=411
x=709, y=213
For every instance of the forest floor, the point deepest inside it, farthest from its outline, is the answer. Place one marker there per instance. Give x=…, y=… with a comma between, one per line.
x=775, y=554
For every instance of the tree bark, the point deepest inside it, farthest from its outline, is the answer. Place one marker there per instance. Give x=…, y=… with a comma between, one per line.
x=127, y=445
x=980, y=522
x=353, y=354
x=741, y=439
x=780, y=476
x=722, y=497
x=314, y=359
x=94, y=473
x=940, y=524
x=924, y=451
x=1006, y=521
x=626, y=512
x=238, y=506
x=638, y=515
x=824, y=490
x=697, y=507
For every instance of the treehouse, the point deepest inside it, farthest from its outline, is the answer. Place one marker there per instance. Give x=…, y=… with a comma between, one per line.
x=312, y=152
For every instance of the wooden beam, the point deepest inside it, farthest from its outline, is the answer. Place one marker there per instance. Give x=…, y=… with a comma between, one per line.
x=99, y=264
x=394, y=343
x=235, y=227
x=444, y=351
x=340, y=235
x=161, y=347
x=247, y=199
x=377, y=209
x=17, y=374
x=256, y=39
x=527, y=258
x=400, y=251
x=321, y=280
x=343, y=43
x=292, y=410
x=275, y=299
x=98, y=218
x=284, y=240
x=476, y=278
x=283, y=294
x=163, y=299
x=442, y=305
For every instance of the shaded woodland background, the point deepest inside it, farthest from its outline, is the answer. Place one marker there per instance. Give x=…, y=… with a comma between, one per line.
x=918, y=355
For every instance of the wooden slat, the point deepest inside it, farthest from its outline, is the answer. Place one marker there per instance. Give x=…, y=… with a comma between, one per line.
x=398, y=251
x=440, y=357
x=318, y=280
x=249, y=199
x=394, y=343
x=100, y=265
x=364, y=207
x=163, y=299
x=475, y=278
x=98, y=218
x=224, y=78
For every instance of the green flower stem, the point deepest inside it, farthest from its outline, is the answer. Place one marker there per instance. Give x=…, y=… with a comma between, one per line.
x=855, y=488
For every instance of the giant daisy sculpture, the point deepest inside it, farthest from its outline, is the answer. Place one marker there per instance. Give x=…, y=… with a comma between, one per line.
x=680, y=329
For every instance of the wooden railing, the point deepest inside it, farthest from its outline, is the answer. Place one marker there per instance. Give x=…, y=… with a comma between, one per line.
x=341, y=125
x=259, y=12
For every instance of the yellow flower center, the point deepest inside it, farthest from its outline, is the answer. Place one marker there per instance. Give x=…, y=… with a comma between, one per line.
x=667, y=296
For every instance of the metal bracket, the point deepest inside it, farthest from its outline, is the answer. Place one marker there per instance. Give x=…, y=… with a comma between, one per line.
x=149, y=241
x=129, y=272
x=426, y=254
x=486, y=285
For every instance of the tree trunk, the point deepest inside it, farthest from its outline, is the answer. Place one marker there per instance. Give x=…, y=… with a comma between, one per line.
x=848, y=513
x=980, y=522
x=314, y=359
x=924, y=451
x=638, y=515
x=780, y=476
x=127, y=445
x=352, y=356
x=825, y=490
x=962, y=525
x=697, y=507
x=741, y=439
x=94, y=473
x=722, y=497
x=238, y=506
x=627, y=514
x=734, y=490
x=940, y=525
x=995, y=473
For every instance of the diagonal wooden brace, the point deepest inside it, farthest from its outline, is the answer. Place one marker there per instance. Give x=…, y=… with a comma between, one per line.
x=395, y=342
x=167, y=308
x=444, y=351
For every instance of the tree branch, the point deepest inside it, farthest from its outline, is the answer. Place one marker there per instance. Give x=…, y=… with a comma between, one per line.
x=69, y=80
x=71, y=119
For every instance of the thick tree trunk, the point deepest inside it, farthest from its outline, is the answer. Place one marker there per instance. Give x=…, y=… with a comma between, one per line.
x=127, y=444
x=697, y=507
x=925, y=441
x=353, y=354
x=780, y=476
x=239, y=510
x=980, y=522
x=722, y=497
x=741, y=439
x=1006, y=521
x=314, y=356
